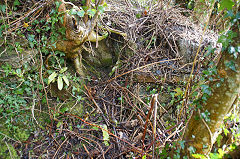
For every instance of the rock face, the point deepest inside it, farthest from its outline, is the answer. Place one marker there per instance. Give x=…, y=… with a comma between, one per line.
x=16, y=58
x=189, y=40
x=101, y=56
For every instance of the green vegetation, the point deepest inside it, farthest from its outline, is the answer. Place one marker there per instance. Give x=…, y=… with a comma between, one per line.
x=108, y=109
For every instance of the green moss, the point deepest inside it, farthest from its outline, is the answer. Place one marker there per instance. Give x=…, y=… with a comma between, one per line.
x=73, y=108
x=7, y=151
x=22, y=134
x=107, y=61
x=4, y=151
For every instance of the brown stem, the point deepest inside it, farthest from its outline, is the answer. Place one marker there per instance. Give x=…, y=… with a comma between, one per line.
x=93, y=22
x=153, y=101
x=86, y=15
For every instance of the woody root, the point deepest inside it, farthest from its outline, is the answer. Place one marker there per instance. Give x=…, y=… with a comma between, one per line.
x=80, y=25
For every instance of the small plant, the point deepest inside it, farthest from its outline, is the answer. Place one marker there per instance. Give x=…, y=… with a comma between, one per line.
x=60, y=76
x=105, y=135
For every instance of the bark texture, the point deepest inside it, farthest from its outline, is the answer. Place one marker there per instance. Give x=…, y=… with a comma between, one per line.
x=218, y=104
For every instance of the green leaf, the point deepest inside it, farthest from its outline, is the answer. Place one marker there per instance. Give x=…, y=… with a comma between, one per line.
x=3, y=8
x=214, y=156
x=95, y=128
x=64, y=109
x=199, y=156
x=219, y=139
x=72, y=11
x=226, y=4
x=113, y=70
x=31, y=38
x=229, y=14
x=105, y=135
x=234, y=51
x=238, y=49
x=19, y=91
x=57, y=4
x=105, y=5
x=221, y=153
x=138, y=15
x=231, y=65
x=191, y=149
x=81, y=13
x=19, y=72
x=225, y=131
x=231, y=50
x=182, y=144
x=59, y=124
x=91, y=12
x=63, y=70
x=101, y=9
x=178, y=92
x=65, y=80
x=224, y=40
x=52, y=77
x=60, y=83
x=16, y=3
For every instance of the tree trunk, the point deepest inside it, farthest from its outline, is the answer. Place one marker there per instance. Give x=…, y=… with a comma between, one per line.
x=200, y=134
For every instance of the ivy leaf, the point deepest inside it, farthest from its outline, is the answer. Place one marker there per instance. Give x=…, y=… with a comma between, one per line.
x=229, y=14
x=234, y=51
x=91, y=12
x=191, y=149
x=182, y=144
x=178, y=92
x=60, y=83
x=231, y=34
x=210, y=50
x=206, y=89
x=231, y=65
x=3, y=8
x=95, y=128
x=65, y=80
x=72, y=11
x=105, y=135
x=59, y=124
x=81, y=13
x=226, y=4
x=16, y=3
x=238, y=49
x=31, y=38
x=52, y=77
x=231, y=50
x=64, y=109
x=101, y=9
